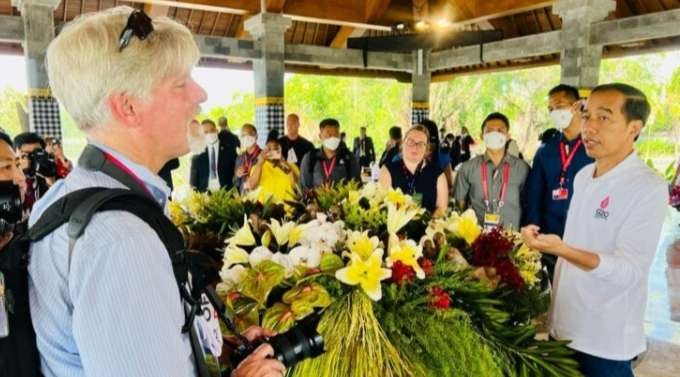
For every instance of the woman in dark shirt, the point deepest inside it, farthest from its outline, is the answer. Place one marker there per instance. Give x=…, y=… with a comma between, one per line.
x=414, y=175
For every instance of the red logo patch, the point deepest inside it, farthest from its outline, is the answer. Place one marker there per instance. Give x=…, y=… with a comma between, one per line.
x=604, y=203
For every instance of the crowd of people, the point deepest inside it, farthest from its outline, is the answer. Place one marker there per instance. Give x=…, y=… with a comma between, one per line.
x=587, y=201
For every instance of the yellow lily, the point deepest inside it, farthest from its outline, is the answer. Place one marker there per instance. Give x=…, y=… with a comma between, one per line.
x=234, y=255
x=397, y=197
x=365, y=273
x=243, y=236
x=407, y=252
x=398, y=218
x=281, y=231
x=360, y=243
x=466, y=226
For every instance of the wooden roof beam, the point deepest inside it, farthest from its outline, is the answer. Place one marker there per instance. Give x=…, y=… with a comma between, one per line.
x=373, y=10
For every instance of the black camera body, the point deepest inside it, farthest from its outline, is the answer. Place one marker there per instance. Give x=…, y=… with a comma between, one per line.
x=11, y=207
x=301, y=342
x=42, y=163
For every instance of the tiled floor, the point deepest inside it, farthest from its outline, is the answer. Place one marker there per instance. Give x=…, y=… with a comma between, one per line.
x=663, y=355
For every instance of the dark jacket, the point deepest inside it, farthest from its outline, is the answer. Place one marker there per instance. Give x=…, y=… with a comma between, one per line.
x=369, y=152
x=540, y=208
x=166, y=171
x=312, y=174
x=200, y=170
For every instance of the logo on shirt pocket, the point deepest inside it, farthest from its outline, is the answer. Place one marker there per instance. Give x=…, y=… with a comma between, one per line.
x=602, y=213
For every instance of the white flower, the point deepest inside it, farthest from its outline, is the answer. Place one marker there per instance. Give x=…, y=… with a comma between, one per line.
x=305, y=256
x=285, y=261
x=259, y=255
x=233, y=276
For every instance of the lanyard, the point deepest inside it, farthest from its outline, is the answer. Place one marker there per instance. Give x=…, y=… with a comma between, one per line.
x=328, y=168
x=249, y=159
x=411, y=178
x=109, y=157
x=504, y=187
x=567, y=159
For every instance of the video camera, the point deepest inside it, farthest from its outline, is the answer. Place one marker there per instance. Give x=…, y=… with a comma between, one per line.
x=300, y=342
x=11, y=208
x=41, y=163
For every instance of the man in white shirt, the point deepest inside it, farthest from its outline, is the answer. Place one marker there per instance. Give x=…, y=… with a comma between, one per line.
x=612, y=230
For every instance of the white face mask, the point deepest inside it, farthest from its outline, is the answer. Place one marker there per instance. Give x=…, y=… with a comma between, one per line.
x=331, y=143
x=196, y=141
x=247, y=141
x=495, y=140
x=211, y=138
x=561, y=118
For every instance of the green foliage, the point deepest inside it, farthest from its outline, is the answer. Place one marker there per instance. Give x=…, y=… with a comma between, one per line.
x=328, y=196
x=369, y=354
x=9, y=116
x=655, y=147
x=426, y=338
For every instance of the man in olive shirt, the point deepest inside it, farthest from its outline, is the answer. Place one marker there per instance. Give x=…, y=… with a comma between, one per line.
x=491, y=184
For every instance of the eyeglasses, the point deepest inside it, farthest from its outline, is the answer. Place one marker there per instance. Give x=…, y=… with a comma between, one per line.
x=139, y=25
x=418, y=144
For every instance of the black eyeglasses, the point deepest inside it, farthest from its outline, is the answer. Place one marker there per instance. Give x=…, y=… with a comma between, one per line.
x=139, y=25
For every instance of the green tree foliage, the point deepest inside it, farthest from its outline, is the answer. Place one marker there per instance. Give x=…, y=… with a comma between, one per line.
x=9, y=116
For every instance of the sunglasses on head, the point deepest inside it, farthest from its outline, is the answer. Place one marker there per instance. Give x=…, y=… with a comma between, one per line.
x=139, y=25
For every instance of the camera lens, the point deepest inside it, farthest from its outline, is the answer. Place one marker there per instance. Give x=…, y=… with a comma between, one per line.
x=299, y=343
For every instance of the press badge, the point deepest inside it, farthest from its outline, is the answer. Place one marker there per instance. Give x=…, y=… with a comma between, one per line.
x=491, y=220
x=560, y=194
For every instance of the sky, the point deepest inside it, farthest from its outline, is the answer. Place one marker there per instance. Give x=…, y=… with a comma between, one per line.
x=221, y=84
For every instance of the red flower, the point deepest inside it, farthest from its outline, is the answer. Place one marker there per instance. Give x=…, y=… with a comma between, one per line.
x=492, y=249
x=402, y=273
x=439, y=298
x=427, y=266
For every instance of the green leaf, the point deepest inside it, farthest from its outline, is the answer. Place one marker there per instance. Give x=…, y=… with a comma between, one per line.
x=330, y=262
x=261, y=279
x=279, y=318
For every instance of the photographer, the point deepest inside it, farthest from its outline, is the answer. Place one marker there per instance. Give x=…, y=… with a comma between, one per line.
x=63, y=164
x=10, y=172
x=38, y=166
x=109, y=304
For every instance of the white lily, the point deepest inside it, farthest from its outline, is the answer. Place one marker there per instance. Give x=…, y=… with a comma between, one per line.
x=305, y=256
x=232, y=276
x=285, y=261
x=259, y=255
x=407, y=252
x=398, y=218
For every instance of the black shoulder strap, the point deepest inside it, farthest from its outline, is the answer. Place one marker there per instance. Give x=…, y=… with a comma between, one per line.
x=94, y=159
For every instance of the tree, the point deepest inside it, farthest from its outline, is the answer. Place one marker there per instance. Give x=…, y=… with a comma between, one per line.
x=10, y=98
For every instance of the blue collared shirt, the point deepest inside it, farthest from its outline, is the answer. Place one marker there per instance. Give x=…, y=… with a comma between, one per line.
x=544, y=177
x=116, y=311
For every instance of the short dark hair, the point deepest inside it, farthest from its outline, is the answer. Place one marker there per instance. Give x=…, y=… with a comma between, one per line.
x=4, y=137
x=28, y=138
x=223, y=122
x=329, y=122
x=569, y=90
x=250, y=127
x=635, y=106
x=209, y=121
x=273, y=137
x=432, y=131
x=496, y=116
x=395, y=133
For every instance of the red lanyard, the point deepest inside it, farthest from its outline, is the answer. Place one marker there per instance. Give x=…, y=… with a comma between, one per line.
x=127, y=171
x=566, y=160
x=249, y=160
x=328, y=168
x=504, y=187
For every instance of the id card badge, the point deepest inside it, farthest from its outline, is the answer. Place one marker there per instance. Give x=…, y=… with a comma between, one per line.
x=560, y=194
x=491, y=220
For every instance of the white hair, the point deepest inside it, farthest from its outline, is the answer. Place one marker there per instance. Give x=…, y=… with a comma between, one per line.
x=85, y=65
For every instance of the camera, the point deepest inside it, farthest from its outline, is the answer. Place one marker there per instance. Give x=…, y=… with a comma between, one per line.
x=301, y=342
x=42, y=163
x=11, y=208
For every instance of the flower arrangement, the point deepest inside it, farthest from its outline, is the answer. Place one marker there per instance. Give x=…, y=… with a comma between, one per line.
x=402, y=294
